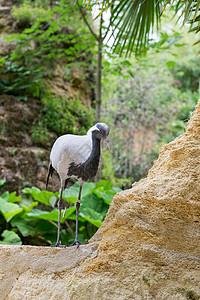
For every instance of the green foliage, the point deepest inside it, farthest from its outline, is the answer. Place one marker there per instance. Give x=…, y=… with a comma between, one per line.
x=149, y=101
x=61, y=116
x=49, y=39
x=40, y=134
x=143, y=100
x=2, y=181
x=107, y=169
x=67, y=115
x=177, y=125
x=39, y=47
x=19, y=79
x=187, y=74
x=32, y=218
x=166, y=40
x=134, y=21
x=9, y=210
x=189, y=12
x=10, y=237
x=25, y=15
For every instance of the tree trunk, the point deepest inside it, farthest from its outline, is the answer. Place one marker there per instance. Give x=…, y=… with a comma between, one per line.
x=98, y=75
x=98, y=82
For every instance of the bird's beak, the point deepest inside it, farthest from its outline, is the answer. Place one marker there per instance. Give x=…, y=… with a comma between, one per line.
x=107, y=143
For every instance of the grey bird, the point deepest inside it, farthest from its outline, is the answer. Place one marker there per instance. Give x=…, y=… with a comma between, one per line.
x=75, y=156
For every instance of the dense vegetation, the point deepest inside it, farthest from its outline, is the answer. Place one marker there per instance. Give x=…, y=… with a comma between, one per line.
x=146, y=101
x=22, y=221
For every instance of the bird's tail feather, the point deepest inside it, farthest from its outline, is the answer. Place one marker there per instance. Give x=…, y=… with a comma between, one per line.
x=50, y=172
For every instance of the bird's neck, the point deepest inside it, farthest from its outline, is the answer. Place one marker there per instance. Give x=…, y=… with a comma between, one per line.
x=89, y=168
x=95, y=147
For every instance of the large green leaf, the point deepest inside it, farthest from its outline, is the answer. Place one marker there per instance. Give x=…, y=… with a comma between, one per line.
x=10, y=238
x=24, y=226
x=27, y=209
x=87, y=188
x=71, y=194
x=96, y=223
x=106, y=195
x=51, y=216
x=96, y=203
x=9, y=210
x=28, y=190
x=44, y=197
x=44, y=227
x=117, y=190
x=94, y=215
x=2, y=181
x=53, y=200
x=11, y=197
x=105, y=184
x=91, y=216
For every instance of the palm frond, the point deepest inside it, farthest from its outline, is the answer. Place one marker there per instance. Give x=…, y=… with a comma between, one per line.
x=190, y=10
x=132, y=23
x=134, y=20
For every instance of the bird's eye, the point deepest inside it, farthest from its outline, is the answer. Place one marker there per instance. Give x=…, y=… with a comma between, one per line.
x=100, y=130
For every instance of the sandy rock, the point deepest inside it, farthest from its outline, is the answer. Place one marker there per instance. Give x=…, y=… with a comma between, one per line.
x=20, y=262
x=149, y=243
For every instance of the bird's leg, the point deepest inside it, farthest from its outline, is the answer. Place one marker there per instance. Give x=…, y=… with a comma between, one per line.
x=59, y=215
x=78, y=203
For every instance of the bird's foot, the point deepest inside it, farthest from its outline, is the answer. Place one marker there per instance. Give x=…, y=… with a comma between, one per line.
x=77, y=243
x=58, y=244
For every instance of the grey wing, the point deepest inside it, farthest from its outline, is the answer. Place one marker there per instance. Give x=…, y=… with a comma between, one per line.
x=69, y=149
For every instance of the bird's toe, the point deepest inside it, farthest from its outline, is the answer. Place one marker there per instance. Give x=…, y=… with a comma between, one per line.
x=76, y=243
x=57, y=245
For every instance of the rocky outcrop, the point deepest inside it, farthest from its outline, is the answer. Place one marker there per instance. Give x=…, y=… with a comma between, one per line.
x=19, y=261
x=69, y=83
x=149, y=243
x=22, y=163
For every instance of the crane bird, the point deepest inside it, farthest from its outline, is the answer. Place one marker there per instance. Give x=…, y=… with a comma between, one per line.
x=75, y=156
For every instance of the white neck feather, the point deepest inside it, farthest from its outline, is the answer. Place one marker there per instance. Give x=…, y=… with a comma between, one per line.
x=92, y=129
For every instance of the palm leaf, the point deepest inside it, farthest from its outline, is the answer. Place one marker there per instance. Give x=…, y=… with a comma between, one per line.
x=190, y=10
x=133, y=21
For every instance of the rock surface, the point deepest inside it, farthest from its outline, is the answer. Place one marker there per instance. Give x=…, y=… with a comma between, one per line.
x=149, y=243
x=22, y=163
x=18, y=262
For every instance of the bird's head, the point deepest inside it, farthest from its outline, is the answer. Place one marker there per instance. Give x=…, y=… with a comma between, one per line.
x=101, y=131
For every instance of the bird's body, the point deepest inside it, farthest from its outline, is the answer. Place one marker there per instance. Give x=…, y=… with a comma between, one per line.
x=74, y=156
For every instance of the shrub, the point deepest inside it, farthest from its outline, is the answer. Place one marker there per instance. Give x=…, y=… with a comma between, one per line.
x=18, y=79
x=24, y=222
x=63, y=115
x=40, y=134
x=26, y=15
